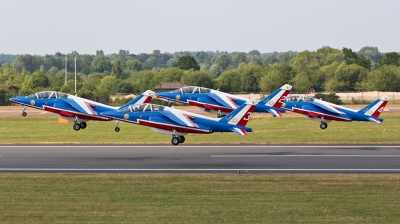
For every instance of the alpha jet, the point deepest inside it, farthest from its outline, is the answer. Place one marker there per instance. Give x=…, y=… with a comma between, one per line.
x=221, y=103
x=74, y=108
x=322, y=111
x=178, y=123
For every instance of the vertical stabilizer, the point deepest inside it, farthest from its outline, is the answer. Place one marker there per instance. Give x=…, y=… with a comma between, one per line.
x=375, y=108
x=276, y=98
x=241, y=115
x=141, y=99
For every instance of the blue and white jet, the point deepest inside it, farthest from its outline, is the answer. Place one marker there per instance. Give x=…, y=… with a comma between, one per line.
x=322, y=111
x=220, y=103
x=178, y=123
x=74, y=108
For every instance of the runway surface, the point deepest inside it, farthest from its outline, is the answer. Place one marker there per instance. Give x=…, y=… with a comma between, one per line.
x=201, y=158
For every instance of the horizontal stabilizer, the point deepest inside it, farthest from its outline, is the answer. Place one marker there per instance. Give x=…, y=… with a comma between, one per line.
x=327, y=107
x=275, y=113
x=374, y=120
x=238, y=131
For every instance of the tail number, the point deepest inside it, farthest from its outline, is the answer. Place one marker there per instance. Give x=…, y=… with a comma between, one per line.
x=247, y=116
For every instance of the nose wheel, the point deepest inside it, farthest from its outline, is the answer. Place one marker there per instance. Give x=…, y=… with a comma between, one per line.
x=23, y=111
x=116, y=126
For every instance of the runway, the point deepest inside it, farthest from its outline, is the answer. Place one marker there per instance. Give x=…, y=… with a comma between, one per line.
x=201, y=158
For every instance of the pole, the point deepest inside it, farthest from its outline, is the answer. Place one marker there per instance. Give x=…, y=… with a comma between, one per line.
x=65, y=70
x=75, y=74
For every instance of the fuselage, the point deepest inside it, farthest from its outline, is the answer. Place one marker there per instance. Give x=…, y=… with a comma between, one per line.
x=166, y=118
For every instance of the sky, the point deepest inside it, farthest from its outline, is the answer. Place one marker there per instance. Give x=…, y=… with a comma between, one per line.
x=47, y=26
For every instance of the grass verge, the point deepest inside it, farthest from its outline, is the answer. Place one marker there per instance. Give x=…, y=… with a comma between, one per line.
x=291, y=129
x=199, y=198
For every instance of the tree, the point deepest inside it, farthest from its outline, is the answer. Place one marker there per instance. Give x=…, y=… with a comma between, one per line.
x=187, y=62
x=229, y=81
x=385, y=78
x=371, y=53
x=238, y=58
x=352, y=58
x=198, y=78
x=101, y=64
x=117, y=70
x=36, y=80
x=134, y=65
x=391, y=58
x=223, y=60
x=254, y=53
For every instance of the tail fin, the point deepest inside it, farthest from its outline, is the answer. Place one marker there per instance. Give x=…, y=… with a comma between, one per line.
x=276, y=98
x=141, y=99
x=376, y=107
x=241, y=115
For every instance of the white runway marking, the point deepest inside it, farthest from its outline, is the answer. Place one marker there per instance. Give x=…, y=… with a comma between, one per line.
x=241, y=169
x=201, y=146
x=280, y=156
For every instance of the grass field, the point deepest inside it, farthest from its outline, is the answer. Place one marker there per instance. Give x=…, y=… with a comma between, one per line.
x=290, y=129
x=199, y=198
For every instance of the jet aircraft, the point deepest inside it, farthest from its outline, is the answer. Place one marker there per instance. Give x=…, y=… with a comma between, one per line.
x=178, y=123
x=71, y=107
x=221, y=103
x=322, y=111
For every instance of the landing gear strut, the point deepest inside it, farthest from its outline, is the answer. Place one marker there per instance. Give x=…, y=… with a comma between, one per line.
x=219, y=115
x=23, y=111
x=177, y=139
x=323, y=124
x=79, y=125
x=116, y=126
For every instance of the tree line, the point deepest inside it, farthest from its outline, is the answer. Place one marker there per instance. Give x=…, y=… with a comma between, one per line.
x=326, y=69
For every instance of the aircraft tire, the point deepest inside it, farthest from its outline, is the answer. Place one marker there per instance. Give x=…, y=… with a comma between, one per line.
x=24, y=114
x=175, y=141
x=117, y=129
x=323, y=125
x=83, y=125
x=181, y=139
x=77, y=126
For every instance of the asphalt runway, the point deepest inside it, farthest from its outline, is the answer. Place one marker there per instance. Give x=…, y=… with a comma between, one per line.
x=201, y=158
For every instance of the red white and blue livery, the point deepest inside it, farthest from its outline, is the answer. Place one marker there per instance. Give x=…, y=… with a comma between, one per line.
x=221, y=103
x=322, y=111
x=178, y=123
x=74, y=108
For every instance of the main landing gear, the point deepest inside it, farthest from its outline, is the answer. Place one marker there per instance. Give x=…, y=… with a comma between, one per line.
x=79, y=125
x=116, y=126
x=323, y=124
x=23, y=111
x=177, y=139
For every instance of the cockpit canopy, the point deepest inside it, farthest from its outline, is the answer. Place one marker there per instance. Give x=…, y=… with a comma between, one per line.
x=48, y=95
x=142, y=107
x=192, y=89
x=299, y=99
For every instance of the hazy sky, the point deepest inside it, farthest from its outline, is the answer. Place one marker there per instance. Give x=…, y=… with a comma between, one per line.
x=50, y=26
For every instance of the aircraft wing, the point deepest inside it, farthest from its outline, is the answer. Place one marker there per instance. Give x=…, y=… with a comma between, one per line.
x=224, y=100
x=74, y=105
x=327, y=107
x=81, y=106
x=180, y=118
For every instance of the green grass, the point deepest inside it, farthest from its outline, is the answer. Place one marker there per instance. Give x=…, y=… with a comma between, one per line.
x=199, y=198
x=290, y=129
